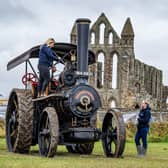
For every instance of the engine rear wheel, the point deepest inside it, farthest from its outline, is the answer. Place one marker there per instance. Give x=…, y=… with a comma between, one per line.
x=113, y=134
x=48, y=132
x=19, y=121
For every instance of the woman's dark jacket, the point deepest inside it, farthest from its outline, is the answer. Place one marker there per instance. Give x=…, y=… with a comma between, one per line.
x=47, y=56
x=144, y=118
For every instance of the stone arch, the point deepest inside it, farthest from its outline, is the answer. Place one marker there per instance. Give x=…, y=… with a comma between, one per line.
x=99, y=51
x=108, y=28
x=100, y=69
x=114, y=71
x=112, y=102
x=115, y=52
x=137, y=106
x=95, y=27
x=102, y=27
x=137, y=87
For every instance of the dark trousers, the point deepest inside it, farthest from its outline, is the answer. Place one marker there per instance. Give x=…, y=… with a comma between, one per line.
x=44, y=78
x=141, y=134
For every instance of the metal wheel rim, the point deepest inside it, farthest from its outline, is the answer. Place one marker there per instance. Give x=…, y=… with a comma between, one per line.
x=12, y=124
x=110, y=139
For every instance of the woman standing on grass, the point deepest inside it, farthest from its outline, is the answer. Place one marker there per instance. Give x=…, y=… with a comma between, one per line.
x=143, y=128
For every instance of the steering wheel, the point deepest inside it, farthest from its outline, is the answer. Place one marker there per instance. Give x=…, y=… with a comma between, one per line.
x=29, y=77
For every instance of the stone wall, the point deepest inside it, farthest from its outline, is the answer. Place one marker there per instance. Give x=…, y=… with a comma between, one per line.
x=135, y=80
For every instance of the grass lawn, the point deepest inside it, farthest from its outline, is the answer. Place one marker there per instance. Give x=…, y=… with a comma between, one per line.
x=157, y=158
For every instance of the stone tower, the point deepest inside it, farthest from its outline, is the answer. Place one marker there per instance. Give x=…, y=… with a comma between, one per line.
x=121, y=80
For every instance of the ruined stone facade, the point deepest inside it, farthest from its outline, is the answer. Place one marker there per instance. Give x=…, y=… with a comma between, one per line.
x=115, y=58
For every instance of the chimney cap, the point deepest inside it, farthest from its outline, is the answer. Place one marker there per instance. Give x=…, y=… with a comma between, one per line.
x=83, y=21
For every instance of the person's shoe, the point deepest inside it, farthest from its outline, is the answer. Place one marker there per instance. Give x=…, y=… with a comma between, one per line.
x=139, y=150
x=46, y=91
x=44, y=95
x=143, y=151
x=39, y=95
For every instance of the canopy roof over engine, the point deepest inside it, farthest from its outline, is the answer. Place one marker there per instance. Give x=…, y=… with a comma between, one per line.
x=60, y=48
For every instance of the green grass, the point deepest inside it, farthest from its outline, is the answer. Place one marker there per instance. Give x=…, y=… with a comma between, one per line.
x=157, y=158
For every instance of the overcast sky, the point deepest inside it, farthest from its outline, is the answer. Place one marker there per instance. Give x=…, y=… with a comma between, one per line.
x=24, y=24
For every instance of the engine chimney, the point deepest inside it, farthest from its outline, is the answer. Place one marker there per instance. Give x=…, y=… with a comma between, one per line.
x=82, y=49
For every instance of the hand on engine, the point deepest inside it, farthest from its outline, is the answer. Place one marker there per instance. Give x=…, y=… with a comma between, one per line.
x=60, y=61
x=54, y=69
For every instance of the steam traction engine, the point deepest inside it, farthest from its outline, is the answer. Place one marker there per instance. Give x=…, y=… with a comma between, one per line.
x=67, y=116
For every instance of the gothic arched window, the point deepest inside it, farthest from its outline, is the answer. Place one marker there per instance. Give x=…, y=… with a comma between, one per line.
x=100, y=70
x=110, y=38
x=114, y=71
x=113, y=104
x=92, y=38
x=137, y=88
x=101, y=33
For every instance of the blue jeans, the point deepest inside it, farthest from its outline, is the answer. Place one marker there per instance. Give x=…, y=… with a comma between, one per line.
x=44, y=78
x=141, y=134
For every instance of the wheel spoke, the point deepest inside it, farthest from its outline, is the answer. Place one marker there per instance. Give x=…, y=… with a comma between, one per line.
x=109, y=142
x=47, y=123
x=114, y=134
x=16, y=105
x=108, y=145
x=13, y=133
x=45, y=132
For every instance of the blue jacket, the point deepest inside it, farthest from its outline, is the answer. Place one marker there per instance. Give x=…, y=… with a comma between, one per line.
x=47, y=56
x=144, y=118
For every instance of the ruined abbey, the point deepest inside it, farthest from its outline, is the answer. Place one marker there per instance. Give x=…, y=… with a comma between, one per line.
x=122, y=80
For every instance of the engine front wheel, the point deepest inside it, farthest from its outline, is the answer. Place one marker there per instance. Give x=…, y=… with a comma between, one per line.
x=113, y=134
x=48, y=132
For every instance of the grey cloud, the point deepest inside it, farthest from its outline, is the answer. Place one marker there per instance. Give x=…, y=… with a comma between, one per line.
x=14, y=11
x=27, y=23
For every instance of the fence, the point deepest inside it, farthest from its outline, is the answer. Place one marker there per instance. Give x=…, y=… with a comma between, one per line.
x=128, y=116
x=131, y=116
